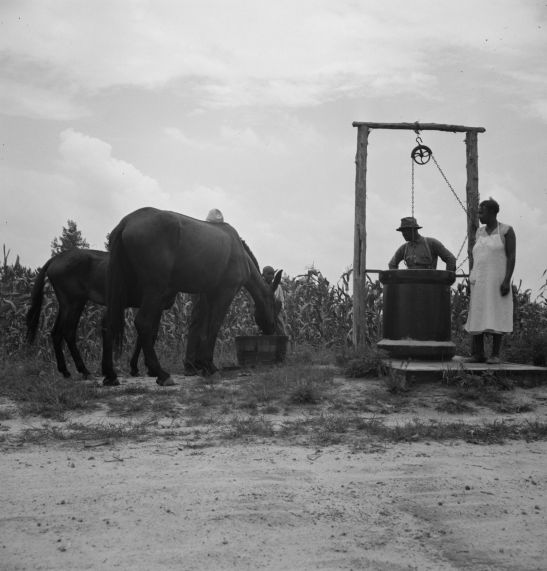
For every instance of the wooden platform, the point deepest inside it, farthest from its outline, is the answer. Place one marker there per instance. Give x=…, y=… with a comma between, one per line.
x=426, y=371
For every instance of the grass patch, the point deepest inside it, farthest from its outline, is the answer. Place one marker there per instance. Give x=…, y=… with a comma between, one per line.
x=293, y=401
x=250, y=426
x=290, y=384
x=452, y=406
x=78, y=431
x=157, y=403
x=464, y=379
x=41, y=392
x=330, y=428
x=495, y=432
x=7, y=414
x=507, y=407
x=367, y=363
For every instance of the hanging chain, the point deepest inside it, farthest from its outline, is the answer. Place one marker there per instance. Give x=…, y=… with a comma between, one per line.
x=459, y=252
x=412, y=191
x=419, y=141
x=448, y=183
x=461, y=247
x=463, y=262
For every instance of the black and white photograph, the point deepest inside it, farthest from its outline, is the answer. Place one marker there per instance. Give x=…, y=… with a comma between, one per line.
x=273, y=288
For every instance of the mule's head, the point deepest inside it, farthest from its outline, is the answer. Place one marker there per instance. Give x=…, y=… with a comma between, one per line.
x=266, y=312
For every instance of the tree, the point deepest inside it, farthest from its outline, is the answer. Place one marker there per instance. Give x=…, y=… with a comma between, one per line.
x=70, y=238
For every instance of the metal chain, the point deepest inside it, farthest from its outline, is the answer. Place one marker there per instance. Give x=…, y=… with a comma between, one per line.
x=419, y=141
x=461, y=247
x=412, y=190
x=463, y=262
x=449, y=185
x=460, y=251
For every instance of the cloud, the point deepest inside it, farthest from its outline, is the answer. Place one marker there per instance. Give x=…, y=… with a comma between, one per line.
x=197, y=202
x=89, y=186
x=187, y=141
x=23, y=99
x=258, y=53
x=275, y=133
x=106, y=182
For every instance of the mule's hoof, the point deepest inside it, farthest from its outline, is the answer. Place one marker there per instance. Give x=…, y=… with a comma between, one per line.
x=111, y=383
x=168, y=382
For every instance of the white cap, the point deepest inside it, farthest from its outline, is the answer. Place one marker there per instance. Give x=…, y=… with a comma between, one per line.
x=215, y=215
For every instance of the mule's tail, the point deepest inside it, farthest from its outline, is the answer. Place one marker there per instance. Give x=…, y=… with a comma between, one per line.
x=36, y=299
x=116, y=287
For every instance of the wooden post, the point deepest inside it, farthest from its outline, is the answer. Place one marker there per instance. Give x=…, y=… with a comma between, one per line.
x=360, y=240
x=472, y=191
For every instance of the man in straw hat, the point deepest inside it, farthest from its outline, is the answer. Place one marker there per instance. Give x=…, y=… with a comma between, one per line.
x=419, y=252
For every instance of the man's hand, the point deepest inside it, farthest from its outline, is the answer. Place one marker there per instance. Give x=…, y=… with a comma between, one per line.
x=505, y=287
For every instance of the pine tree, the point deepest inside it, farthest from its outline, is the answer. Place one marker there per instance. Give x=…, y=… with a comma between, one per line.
x=70, y=238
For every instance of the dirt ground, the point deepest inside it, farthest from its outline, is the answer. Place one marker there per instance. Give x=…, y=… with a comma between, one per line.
x=167, y=503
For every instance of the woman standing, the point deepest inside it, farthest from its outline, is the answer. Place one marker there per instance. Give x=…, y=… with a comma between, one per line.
x=491, y=303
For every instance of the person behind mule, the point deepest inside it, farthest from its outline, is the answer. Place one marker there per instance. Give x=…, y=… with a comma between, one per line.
x=491, y=301
x=420, y=252
x=268, y=273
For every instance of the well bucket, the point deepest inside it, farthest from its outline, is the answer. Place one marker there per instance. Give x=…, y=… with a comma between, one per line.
x=261, y=349
x=417, y=314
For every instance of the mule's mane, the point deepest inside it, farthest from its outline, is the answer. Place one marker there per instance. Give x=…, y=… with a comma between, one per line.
x=250, y=254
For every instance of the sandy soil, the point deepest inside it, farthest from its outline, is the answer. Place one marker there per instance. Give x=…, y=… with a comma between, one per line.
x=160, y=504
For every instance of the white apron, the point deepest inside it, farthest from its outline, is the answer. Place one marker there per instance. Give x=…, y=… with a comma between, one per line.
x=489, y=311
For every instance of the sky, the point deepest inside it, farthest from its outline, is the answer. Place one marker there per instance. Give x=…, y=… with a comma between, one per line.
x=247, y=106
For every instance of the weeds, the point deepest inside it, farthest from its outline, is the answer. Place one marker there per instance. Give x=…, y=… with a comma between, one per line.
x=290, y=384
x=369, y=363
x=495, y=432
x=78, y=431
x=251, y=426
x=452, y=406
x=488, y=379
x=52, y=398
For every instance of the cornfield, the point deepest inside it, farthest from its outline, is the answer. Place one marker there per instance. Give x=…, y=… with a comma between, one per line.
x=319, y=315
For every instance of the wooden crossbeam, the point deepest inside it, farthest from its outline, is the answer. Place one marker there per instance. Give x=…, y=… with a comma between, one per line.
x=420, y=127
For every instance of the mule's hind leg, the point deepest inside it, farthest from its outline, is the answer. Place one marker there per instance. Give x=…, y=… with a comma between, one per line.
x=134, y=361
x=147, y=324
x=218, y=304
x=197, y=334
x=107, y=364
x=57, y=338
x=69, y=331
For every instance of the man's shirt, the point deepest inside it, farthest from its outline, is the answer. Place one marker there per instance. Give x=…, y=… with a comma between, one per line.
x=423, y=253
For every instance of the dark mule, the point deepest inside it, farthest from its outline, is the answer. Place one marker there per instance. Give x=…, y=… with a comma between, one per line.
x=77, y=276
x=156, y=253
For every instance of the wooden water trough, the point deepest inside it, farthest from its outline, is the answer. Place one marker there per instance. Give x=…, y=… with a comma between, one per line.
x=261, y=349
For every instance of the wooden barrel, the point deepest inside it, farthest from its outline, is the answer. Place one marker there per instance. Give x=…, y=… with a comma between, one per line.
x=417, y=314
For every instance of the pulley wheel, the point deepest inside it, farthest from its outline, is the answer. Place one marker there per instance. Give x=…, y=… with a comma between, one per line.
x=421, y=154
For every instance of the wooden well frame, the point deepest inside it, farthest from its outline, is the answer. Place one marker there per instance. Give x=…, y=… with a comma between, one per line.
x=360, y=235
